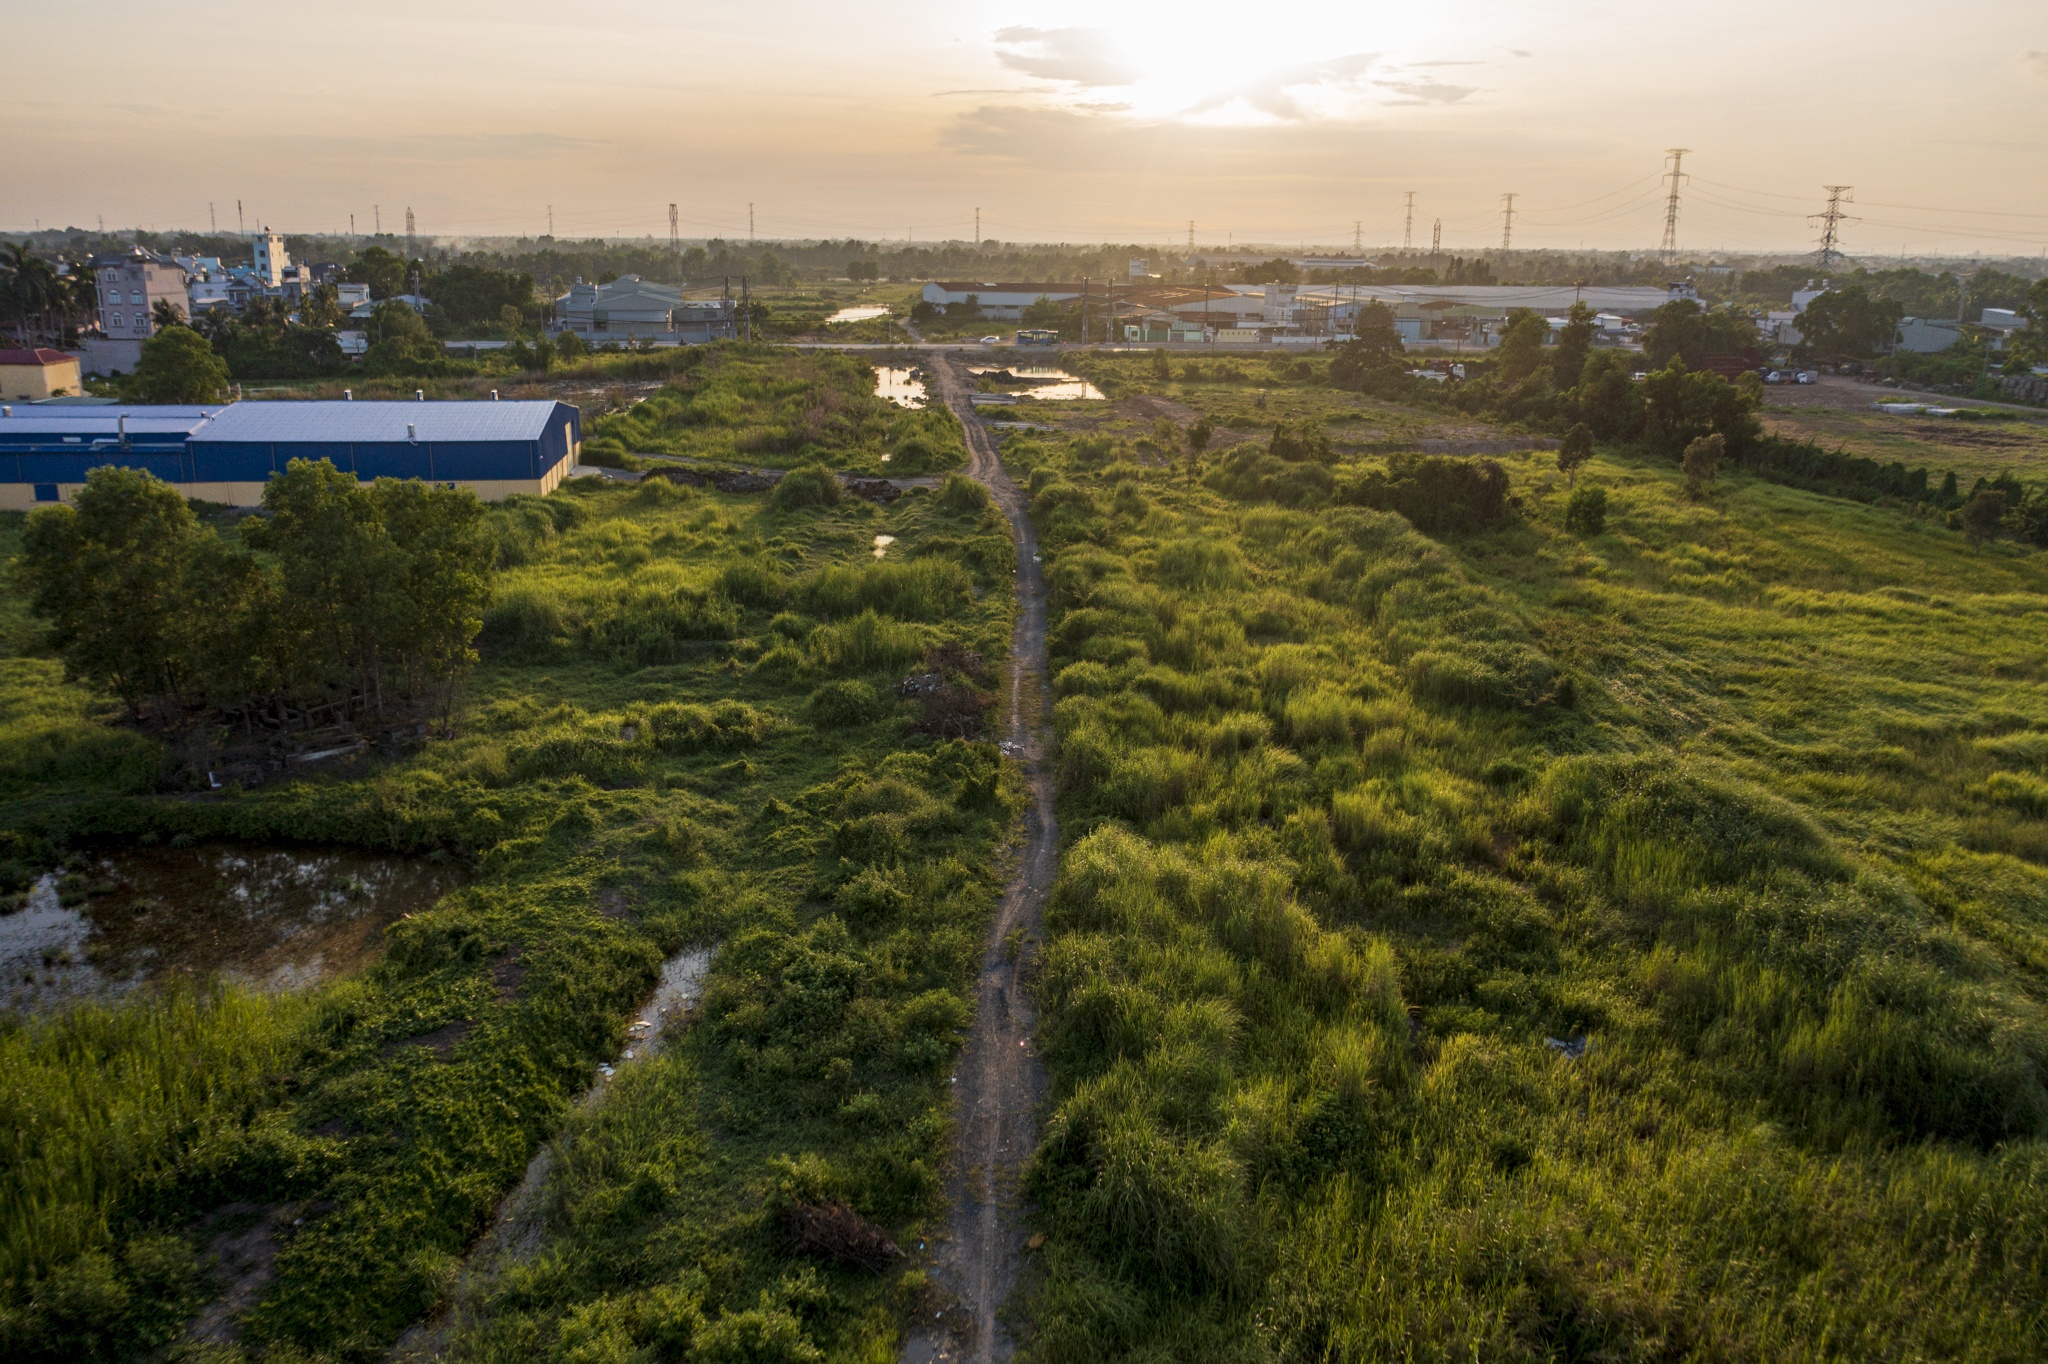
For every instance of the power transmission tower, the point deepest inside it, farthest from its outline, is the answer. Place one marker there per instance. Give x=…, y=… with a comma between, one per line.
x=1408, y=224
x=750, y=242
x=1830, y=220
x=211, y=225
x=376, y=213
x=675, y=243
x=1191, y=234
x=977, y=224
x=1669, y=249
x=1507, y=220
x=1436, y=241
x=1357, y=234
x=412, y=246
x=551, y=222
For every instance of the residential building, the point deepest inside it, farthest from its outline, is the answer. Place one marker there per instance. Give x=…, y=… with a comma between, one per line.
x=227, y=453
x=130, y=285
x=2002, y=323
x=29, y=376
x=271, y=259
x=630, y=308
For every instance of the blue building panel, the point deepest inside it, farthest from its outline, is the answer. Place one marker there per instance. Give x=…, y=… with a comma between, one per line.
x=445, y=442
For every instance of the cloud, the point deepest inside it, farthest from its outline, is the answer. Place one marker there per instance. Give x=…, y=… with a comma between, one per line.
x=1427, y=92
x=1081, y=56
x=1291, y=94
x=2037, y=62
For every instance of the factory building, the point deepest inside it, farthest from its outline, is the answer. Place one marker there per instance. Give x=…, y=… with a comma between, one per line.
x=227, y=453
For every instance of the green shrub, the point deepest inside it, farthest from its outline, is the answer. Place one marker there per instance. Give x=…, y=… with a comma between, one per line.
x=809, y=486
x=847, y=701
x=1586, y=513
x=867, y=643
x=962, y=496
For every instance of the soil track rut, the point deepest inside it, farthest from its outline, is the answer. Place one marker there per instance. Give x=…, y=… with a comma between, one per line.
x=1001, y=1082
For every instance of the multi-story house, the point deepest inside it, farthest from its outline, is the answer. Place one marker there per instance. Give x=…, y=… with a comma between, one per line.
x=130, y=286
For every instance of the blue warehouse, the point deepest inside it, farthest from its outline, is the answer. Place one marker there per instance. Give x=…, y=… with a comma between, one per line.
x=227, y=453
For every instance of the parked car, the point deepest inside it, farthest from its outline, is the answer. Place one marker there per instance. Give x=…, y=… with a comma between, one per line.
x=991, y=340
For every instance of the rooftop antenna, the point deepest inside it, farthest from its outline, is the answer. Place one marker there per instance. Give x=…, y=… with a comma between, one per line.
x=1831, y=219
x=1670, y=246
x=1408, y=224
x=1507, y=220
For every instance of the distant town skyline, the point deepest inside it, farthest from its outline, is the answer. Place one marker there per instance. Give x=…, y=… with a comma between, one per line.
x=1289, y=122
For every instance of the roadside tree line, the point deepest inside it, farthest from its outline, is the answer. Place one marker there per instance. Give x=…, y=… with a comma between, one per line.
x=339, y=601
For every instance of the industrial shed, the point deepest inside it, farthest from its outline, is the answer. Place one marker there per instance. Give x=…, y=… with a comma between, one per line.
x=226, y=454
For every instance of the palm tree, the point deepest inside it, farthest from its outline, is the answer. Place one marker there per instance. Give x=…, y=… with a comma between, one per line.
x=165, y=313
x=27, y=284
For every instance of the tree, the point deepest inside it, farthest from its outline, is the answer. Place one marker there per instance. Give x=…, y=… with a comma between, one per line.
x=1681, y=405
x=1608, y=399
x=29, y=287
x=1042, y=313
x=400, y=342
x=1521, y=345
x=1574, y=344
x=1576, y=450
x=177, y=366
x=569, y=346
x=1374, y=347
x=1274, y=271
x=105, y=572
x=336, y=569
x=1166, y=436
x=1200, y=433
x=321, y=307
x=1983, y=513
x=382, y=270
x=1849, y=322
x=1686, y=331
x=1161, y=368
x=1701, y=463
x=1586, y=513
x=165, y=313
x=860, y=270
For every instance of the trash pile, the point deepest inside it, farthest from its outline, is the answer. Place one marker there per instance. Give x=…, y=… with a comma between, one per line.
x=836, y=1233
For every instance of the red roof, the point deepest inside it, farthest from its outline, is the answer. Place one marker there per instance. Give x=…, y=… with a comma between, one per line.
x=41, y=355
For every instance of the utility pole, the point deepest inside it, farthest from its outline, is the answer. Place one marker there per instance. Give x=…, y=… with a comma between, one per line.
x=1436, y=241
x=750, y=242
x=1507, y=220
x=675, y=243
x=412, y=249
x=376, y=210
x=747, y=301
x=1191, y=234
x=551, y=222
x=1408, y=225
x=1831, y=219
x=351, y=227
x=977, y=224
x=1670, y=247
x=1357, y=234
x=212, y=226
x=241, y=227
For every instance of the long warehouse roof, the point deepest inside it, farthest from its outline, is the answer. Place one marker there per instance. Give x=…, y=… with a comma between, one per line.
x=370, y=422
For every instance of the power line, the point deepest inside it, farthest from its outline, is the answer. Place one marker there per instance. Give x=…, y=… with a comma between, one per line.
x=1670, y=245
x=1830, y=220
x=1408, y=224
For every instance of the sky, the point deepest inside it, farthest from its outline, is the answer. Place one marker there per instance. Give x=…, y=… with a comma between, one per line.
x=1288, y=122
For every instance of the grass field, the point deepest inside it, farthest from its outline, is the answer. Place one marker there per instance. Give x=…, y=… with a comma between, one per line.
x=2016, y=444
x=1745, y=796
x=683, y=734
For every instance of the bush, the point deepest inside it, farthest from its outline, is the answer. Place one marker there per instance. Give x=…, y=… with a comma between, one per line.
x=810, y=486
x=1435, y=492
x=847, y=701
x=962, y=496
x=1586, y=513
x=867, y=643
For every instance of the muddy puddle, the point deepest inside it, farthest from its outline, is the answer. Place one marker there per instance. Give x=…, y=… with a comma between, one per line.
x=1033, y=381
x=903, y=387
x=278, y=918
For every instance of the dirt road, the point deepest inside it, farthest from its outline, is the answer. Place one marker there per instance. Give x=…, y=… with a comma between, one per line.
x=1001, y=1082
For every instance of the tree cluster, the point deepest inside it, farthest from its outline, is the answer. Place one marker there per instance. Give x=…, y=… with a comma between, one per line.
x=341, y=599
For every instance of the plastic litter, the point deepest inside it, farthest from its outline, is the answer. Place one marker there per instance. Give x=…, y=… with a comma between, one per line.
x=1572, y=1049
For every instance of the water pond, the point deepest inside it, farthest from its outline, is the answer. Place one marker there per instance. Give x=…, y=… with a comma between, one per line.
x=860, y=313
x=1036, y=381
x=279, y=918
x=903, y=387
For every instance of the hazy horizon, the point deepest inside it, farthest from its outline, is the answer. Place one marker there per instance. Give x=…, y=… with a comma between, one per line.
x=1061, y=122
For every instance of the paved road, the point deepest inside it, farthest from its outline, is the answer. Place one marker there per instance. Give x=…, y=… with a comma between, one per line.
x=1001, y=1082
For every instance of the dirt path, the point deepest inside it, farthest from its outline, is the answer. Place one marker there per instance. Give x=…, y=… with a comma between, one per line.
x=1001, y=1082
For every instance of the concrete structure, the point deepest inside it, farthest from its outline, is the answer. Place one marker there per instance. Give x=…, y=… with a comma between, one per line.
x=2001, y=323
x=271, y=259
x=227, y=454
x=1006, y=300
x=29, y=376
x=130, y=285
x=1928, y=335
x=630, y=308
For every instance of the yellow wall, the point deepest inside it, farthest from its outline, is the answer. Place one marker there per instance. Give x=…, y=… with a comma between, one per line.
x=26, y=383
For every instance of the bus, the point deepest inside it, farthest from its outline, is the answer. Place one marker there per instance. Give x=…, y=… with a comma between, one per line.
x=1037, y=336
